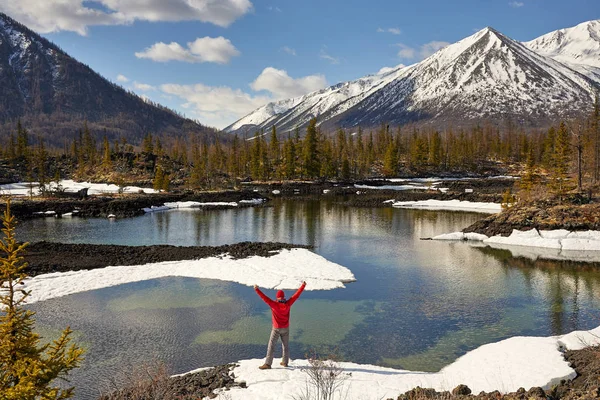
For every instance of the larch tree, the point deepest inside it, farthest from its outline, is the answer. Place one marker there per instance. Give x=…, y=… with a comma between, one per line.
x=27, y=368
x=310, y=153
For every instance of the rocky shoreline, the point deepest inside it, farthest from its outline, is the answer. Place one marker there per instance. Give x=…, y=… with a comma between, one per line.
x=47, y=257
x=121, y=206
x=202, y=384
x=345, y=193
x=542, y=216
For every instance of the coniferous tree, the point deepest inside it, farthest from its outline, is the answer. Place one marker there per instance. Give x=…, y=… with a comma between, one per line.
x=310, y=154
x=289, y=150
x=41, y=160
x=390, y=162
x=560, y=162
x=27, y=369
x=106, y=155
x=147, y=144
x=274, y=154
x=22, y=141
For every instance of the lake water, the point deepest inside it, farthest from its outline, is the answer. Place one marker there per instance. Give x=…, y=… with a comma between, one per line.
x=415, y=305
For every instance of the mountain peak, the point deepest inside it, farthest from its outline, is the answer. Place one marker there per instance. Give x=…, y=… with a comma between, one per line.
x=53, y=94
x=578, y=45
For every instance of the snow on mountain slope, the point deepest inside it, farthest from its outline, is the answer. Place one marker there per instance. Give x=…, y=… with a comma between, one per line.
x=579, y=45
x=486, y=76
x=336, y=99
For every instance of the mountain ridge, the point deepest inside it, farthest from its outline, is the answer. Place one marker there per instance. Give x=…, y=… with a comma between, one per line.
x=486, y=65
x=54, y=94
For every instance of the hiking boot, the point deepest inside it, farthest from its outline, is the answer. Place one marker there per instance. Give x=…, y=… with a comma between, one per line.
x=283, y=364
x=265, y=366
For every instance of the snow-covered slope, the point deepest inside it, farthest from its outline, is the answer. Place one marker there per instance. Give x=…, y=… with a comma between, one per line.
x=300, y=110
x=578, y=45
x=486, y=76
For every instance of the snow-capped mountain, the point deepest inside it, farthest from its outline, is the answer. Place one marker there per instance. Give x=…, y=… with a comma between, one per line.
x=484, y=77
x=53, y=94
x=336, y=99
x=578, y=47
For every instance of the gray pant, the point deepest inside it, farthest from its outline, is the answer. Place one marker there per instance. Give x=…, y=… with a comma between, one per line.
x=284, y=333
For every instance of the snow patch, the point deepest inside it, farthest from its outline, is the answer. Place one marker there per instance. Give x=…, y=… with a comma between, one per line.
x=284, y=270
x=506, y=365
x=452, y=205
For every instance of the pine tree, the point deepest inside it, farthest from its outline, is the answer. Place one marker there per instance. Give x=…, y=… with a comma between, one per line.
x=159, y=176
x=147, y=146
x=106, y=159
x=390, y=161
x=560, y=162
x=310, y=154
x=41, y=160
x=595, y=130
x=289, y=154
x=27, y=369
x=274, y=155
x=529, y=178
x=22, y=141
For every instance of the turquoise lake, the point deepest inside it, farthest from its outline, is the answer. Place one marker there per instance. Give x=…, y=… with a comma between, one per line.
x=416, y=304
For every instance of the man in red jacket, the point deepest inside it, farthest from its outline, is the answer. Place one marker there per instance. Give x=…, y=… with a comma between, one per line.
x=280, y=309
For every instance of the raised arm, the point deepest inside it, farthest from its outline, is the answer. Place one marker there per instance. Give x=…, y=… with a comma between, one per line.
x=263, y=296
x=297, y=294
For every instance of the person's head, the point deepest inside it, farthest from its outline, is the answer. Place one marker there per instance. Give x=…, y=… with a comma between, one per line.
x=280, y=295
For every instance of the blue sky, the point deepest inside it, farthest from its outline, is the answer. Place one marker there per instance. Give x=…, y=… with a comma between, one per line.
x=217, y=60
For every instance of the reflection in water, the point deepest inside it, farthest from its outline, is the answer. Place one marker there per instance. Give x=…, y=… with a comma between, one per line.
x=416, y=304
x=559, y=282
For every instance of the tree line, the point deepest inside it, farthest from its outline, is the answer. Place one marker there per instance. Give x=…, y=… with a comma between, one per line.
x=566, y=155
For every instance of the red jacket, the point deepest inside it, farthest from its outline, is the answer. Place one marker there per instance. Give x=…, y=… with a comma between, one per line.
x=281, y=310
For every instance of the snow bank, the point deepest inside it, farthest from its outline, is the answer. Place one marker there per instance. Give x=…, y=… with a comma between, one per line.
x=23, y=188
x=559, y=244
x=284, y=270
x=506, y=366
x=395, y=187
x=452, y=205
x=197, y=204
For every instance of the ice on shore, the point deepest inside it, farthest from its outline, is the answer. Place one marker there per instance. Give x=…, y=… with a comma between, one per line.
x=506, y=366
x=197, y=204
x=284, y=270
x=68, y=185
x=558, y=244
x=451, y=205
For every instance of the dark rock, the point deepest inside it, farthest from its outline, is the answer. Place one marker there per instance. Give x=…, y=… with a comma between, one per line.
x=461, y=390
x=536, y=393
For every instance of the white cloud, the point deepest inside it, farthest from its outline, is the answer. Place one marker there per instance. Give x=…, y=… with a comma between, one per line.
x=216, y=106
x=220, y=106
x=406, y=51
x=326, y=56
x=144, y=87
x=218, y=50
x=271, y=8
x=429, y=48
x=122, y=78
x=394, y=31
x=282, y=86
x=385, y=70
x=516, y=4
x=423, y=52
x=74, y=15
x=289, y=50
